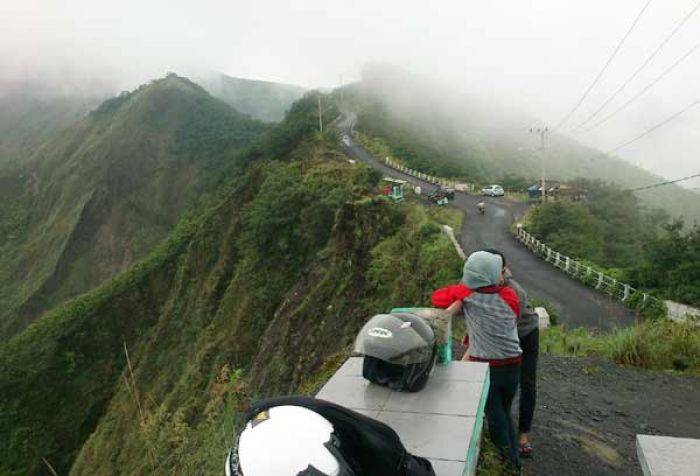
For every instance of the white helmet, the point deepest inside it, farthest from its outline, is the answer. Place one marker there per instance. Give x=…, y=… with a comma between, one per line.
x=287, y=441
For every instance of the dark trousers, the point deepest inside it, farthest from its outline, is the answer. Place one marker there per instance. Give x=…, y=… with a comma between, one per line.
x=503, y=385
x=530, y=344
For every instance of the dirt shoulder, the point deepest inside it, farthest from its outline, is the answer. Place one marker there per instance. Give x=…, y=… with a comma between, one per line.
x=589, y=411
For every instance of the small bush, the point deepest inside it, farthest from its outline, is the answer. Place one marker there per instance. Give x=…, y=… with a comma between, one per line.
x=551, y=310
x=655, y=344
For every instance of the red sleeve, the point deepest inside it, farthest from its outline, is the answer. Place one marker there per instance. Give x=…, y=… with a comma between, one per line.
x=511, y=298
x=444, y=297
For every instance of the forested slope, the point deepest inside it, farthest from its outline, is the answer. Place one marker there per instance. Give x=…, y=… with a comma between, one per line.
x=440, y=132
x=102, y=193
x=263, y=100
x=260, y=293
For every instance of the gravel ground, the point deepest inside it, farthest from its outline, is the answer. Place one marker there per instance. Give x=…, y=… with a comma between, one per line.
x=589, y=411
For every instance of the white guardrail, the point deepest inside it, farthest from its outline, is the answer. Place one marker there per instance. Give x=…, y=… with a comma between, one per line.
x=461, y=187
x=624, y=292
x=584, y=273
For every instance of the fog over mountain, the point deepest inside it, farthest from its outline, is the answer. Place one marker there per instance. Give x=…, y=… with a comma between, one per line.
x=534, y=57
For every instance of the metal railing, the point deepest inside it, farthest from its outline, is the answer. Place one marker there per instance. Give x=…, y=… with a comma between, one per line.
x=586, y=274
x=427, y=177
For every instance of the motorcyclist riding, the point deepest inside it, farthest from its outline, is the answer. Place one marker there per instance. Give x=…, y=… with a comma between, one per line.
x=481, y=206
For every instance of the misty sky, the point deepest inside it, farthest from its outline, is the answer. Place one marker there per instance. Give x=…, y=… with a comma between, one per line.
x=538, y=56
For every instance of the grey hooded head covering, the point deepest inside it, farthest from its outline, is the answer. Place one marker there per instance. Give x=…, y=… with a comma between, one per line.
x=482, y=269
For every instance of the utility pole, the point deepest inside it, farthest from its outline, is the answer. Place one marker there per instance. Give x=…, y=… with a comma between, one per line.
x=542, y=131
x=320, y=114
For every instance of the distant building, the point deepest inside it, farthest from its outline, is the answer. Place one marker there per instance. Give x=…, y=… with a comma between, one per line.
x=558, y=190
x=393, y=188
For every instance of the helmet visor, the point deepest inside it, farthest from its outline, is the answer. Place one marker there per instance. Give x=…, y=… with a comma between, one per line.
x=396, y=338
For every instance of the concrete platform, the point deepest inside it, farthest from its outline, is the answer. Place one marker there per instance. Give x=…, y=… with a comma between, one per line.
x=442, y=422
x=668, y=456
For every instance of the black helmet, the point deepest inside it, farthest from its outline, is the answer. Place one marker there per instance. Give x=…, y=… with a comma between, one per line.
x=399, y=350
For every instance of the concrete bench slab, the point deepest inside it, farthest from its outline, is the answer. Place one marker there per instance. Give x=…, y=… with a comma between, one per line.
x=443, y=437
x=355, y=393
x=441, y=396
x=668, y=456
x=442, y=422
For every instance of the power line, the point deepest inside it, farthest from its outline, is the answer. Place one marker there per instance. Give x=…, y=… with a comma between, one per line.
x=649, y=131
x=663, y=183
x=646, y=62
x=607, y=63
x=646, y=88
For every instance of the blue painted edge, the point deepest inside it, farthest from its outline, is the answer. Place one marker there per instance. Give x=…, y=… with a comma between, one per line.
x=475, y=440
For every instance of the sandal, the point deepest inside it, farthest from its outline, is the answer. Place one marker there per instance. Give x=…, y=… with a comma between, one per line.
x=525, y=450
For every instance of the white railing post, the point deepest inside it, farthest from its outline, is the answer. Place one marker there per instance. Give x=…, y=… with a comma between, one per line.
x=607, y=284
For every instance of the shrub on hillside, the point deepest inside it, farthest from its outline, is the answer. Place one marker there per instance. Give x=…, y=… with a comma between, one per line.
x=657, y=345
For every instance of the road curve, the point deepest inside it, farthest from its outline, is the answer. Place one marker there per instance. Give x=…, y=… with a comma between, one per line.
x=576, y=304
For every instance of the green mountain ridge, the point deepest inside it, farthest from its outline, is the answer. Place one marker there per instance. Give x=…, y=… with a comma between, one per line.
x=101, y=194
x=264, y=100
x=294, y=253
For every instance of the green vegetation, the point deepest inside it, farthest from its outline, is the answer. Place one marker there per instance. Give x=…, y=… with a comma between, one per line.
x=609, y=227
x=490, y=462
x=30, y=115
x=292, y=251
x=669, y=264
x=396, y=137
x=635, y=245
x=261, y=100
x=654, y=344
x=467, y=139
x=406, y=267
x=101, y=194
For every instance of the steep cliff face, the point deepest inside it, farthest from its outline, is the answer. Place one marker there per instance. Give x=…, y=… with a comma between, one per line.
x=101, y=194
x=261, y=295
x=216, y=347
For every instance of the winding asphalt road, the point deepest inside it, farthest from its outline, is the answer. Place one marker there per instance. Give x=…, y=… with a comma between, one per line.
x=576, y=304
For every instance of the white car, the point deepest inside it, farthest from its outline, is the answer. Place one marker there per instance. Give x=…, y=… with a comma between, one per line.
x=493, y=191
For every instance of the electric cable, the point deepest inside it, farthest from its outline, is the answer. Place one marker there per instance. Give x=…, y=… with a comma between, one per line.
x=652, y=129
x=646, y=88
x=663, y=183
x=605, y=67
x=646, y=62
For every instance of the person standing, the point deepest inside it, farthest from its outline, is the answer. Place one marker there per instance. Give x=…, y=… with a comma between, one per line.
x=529, y=336
x=491, y=310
